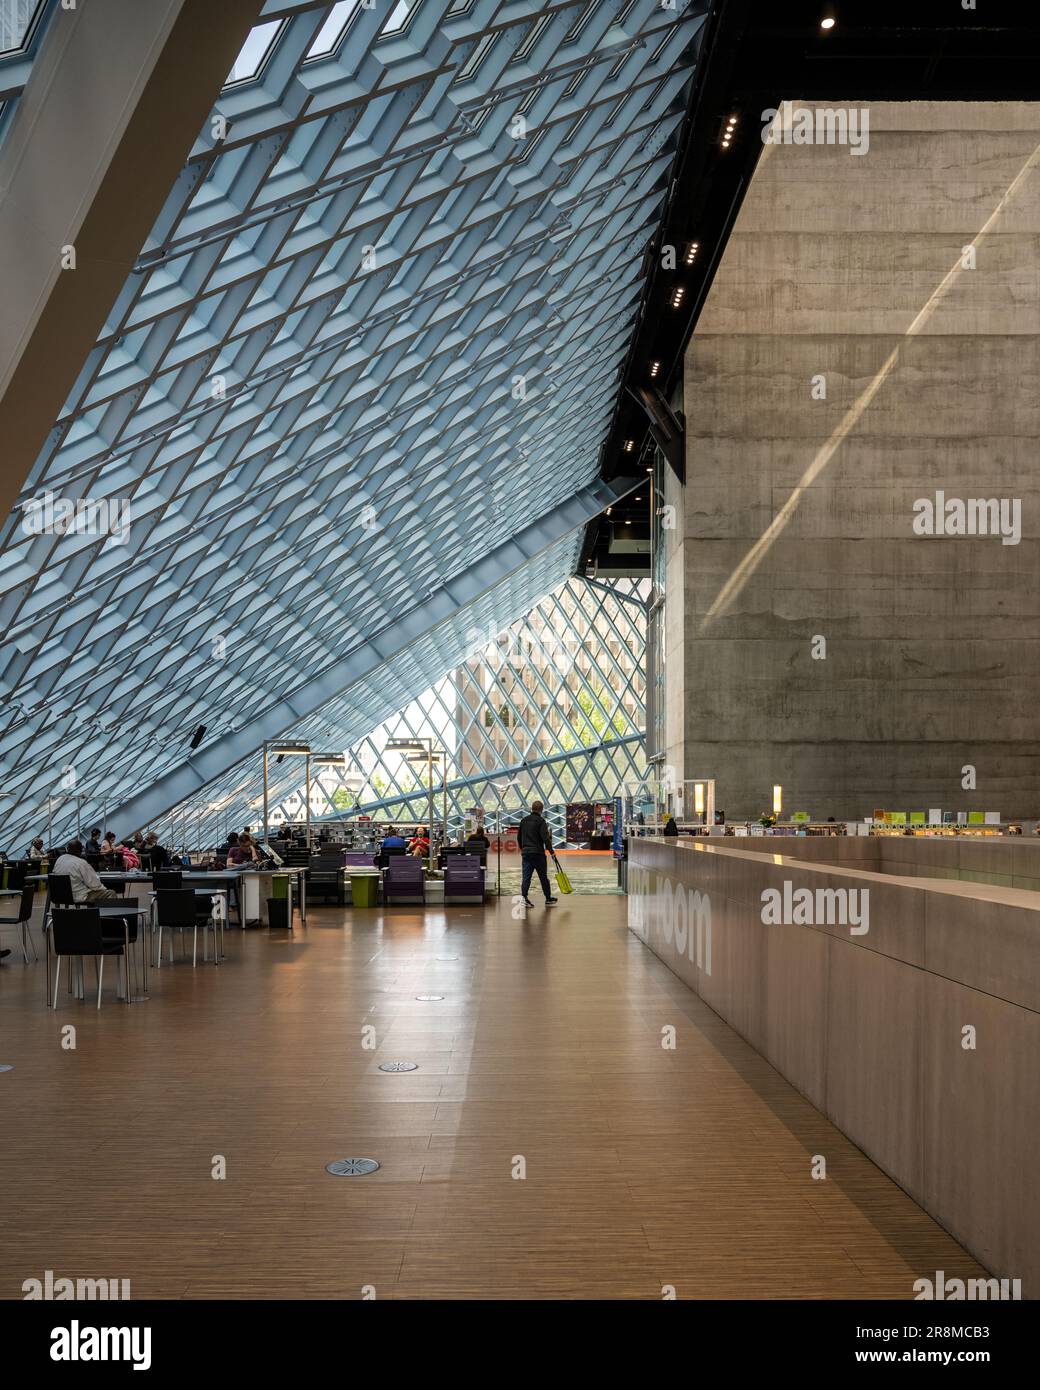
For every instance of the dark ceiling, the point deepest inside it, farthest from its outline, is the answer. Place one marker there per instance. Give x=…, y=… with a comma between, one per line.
x=757, y=53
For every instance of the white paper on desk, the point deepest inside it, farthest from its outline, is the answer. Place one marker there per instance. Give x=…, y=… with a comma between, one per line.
x=992, y=817
x=935, y=817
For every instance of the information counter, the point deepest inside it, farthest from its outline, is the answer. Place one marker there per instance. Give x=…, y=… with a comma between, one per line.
x=905, y=1008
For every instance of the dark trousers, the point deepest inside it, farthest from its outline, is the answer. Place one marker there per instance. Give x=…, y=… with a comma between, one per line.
x=535, y=864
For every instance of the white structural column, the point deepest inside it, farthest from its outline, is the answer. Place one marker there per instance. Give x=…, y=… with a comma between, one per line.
x=117, y=95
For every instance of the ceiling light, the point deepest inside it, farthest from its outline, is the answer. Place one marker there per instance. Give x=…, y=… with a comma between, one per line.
x=630, y=444
x=827, y=23
x=677, y=296
x=691, y=252
x=655, y=367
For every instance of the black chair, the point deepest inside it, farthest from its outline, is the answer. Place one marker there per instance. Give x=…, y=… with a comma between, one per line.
x=80, y=931
x=59, y=894
x=166, y=880
x=385, y=855
x=325, y=877
x=176, y=911
x=22, y=920
x=16, y=873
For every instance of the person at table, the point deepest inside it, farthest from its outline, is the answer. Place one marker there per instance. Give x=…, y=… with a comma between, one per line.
x=420, y=843
x=108, y=846
x=250, y=853
x=670, y=827
x=478, y=839
x=35, y=850
x=233, y=852
x=131, y=858
x=86, y=886
x=92, y=849
x=153, y=856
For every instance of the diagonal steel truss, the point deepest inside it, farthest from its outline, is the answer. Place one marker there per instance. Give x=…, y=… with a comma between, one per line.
x=552, y=707
x=378, y=321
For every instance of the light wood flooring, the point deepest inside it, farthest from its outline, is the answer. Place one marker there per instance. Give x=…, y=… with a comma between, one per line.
x=645, y=1168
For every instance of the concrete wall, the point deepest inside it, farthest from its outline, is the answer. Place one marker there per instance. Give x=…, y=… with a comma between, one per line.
x=870, y=1027
x=842, y=266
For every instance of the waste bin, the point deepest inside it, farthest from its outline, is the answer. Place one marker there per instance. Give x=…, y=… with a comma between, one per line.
x=278, y=913
x=364, y=890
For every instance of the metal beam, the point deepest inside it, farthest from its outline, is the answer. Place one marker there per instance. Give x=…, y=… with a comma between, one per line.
x=116, y=97
x=439, y=607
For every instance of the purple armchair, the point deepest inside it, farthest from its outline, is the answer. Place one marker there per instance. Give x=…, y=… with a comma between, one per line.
x=463, y=878
x=404, y=880
x=359, y=858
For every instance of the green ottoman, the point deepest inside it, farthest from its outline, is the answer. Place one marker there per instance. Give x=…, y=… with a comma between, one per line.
x=364, y=890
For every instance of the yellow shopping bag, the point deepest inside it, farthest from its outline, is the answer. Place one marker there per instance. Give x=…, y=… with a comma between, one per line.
x=563, y=883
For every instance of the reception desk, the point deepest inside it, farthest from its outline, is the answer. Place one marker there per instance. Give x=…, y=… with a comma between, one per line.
x=918, y=1036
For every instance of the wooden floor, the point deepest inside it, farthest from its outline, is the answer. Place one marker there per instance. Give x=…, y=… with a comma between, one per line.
x=644, y=1167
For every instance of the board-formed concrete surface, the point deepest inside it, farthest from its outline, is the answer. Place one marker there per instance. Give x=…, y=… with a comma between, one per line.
x=870, y=340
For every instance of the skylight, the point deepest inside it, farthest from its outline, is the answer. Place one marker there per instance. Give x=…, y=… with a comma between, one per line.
x=254, y=52
x=16, y=20
x=328, y=37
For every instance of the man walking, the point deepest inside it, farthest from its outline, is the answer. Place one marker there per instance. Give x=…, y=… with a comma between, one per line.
x=535, y=840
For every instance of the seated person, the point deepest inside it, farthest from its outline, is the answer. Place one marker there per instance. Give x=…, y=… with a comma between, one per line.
x=108, y=846
x=131, y=859
x=92, y=849
x=233, y=851
x=391, y=841
x=86, y=886
x=478, y=835
x=35, y=850
x=154, y=854
x=419, y=845
x=247, y=849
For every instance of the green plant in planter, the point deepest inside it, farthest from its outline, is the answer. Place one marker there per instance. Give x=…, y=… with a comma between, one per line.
x=766, y=820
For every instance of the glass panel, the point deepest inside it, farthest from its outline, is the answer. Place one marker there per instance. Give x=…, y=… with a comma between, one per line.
x=16, y=17
x=327, y=39
x=399, y=16
x=254, y=52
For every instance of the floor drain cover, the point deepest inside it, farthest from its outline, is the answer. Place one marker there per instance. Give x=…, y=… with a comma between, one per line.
x=398, y=1066
x=447, y=957
x=429, y=998
x=6, y=1066
x=351, y=1167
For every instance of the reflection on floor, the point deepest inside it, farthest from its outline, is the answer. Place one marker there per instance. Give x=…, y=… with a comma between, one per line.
x=642, y=1167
